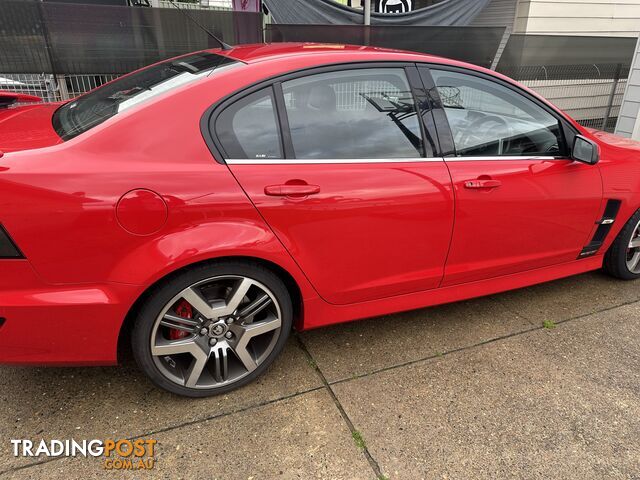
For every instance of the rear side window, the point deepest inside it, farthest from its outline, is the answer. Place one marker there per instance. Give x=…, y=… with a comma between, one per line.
x=249, y=129
x=353, y=114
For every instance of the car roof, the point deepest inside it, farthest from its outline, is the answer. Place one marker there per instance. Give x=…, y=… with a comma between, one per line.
x=271, y=51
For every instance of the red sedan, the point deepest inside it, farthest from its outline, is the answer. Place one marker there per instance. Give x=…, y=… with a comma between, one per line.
x=203, y=206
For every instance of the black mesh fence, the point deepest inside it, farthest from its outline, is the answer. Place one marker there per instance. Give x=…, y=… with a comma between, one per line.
x=523, y=57
x=64, y=38
x=560, y=55
x=23, y=44
x=476, y=45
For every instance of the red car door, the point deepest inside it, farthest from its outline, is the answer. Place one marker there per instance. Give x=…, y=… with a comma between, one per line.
x=355, y=200
x=521, y=202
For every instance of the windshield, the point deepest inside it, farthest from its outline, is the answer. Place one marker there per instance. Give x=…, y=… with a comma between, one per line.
x=95, y=107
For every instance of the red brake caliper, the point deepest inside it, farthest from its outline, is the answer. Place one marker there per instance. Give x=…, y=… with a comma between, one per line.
x=183, y=310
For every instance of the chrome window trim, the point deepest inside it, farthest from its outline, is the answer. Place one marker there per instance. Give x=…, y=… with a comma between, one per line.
x=293, y=161
x=503, y=157
x=327, y=161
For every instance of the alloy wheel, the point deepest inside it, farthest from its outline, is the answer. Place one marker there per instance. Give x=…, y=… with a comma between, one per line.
x=216, y=332
x=633, y=251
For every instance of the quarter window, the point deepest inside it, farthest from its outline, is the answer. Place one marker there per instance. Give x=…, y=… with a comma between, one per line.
x=363, y=113
x=489, y=119
x=249, y=128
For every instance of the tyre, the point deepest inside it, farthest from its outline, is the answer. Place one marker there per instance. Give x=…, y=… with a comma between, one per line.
x=212, y=328
x=622, y=260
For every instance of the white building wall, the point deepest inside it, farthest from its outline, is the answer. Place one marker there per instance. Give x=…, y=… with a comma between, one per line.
x=578, y=17
x=629, y=118
x=217, y=3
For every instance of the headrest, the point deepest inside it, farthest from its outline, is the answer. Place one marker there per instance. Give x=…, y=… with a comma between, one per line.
x=323, y=98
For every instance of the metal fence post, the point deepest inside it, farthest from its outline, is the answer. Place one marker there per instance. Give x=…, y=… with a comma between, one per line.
x=366, y=17
x=61, y=87
x=367, y=12
x=612, y=95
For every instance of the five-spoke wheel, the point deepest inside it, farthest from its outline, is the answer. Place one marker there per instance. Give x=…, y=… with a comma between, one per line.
x=218, y=327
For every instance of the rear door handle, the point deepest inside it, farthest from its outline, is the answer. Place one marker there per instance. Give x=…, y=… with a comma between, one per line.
x=289, y=190
x=481, y=183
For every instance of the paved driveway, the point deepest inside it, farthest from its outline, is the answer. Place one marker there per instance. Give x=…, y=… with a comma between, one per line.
x=478, y=389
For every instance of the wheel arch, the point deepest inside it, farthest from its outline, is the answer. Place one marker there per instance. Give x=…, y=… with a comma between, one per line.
x=123, y=347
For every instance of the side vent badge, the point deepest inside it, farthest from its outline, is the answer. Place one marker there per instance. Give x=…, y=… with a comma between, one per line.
x=604, y=226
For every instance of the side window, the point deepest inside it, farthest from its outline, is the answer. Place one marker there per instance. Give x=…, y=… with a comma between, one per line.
x=249, y=129
x=362, y=113
x=489, y=119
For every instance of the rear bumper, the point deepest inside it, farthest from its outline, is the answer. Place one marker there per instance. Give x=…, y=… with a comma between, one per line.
x=63, y=325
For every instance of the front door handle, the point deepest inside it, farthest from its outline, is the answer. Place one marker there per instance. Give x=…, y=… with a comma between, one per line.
x=482, y=183
x=291, y=190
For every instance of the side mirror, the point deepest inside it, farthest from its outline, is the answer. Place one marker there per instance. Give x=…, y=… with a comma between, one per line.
x=584, y=150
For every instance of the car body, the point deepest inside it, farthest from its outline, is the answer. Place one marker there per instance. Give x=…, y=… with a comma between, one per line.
x=100, y=219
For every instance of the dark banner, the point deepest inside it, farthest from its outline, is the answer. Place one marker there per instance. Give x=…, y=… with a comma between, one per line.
x=38, y=37
x=525, y=57
x=562, y=50
x=396, y=12
x=557, y=57
x=476, y=45
x=393, y=6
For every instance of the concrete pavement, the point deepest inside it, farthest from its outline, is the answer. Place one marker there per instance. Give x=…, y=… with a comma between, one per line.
x=478, y=389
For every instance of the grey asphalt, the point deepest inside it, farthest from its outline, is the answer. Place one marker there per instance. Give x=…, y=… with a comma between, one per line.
x=473, y=390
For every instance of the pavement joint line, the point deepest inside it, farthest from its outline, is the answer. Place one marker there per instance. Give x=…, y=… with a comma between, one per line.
x=475, y=345
x=431, y=357
x=365, y=450
x=181, y=425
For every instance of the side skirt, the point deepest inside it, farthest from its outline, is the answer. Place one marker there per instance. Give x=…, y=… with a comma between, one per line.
x=318, y=313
